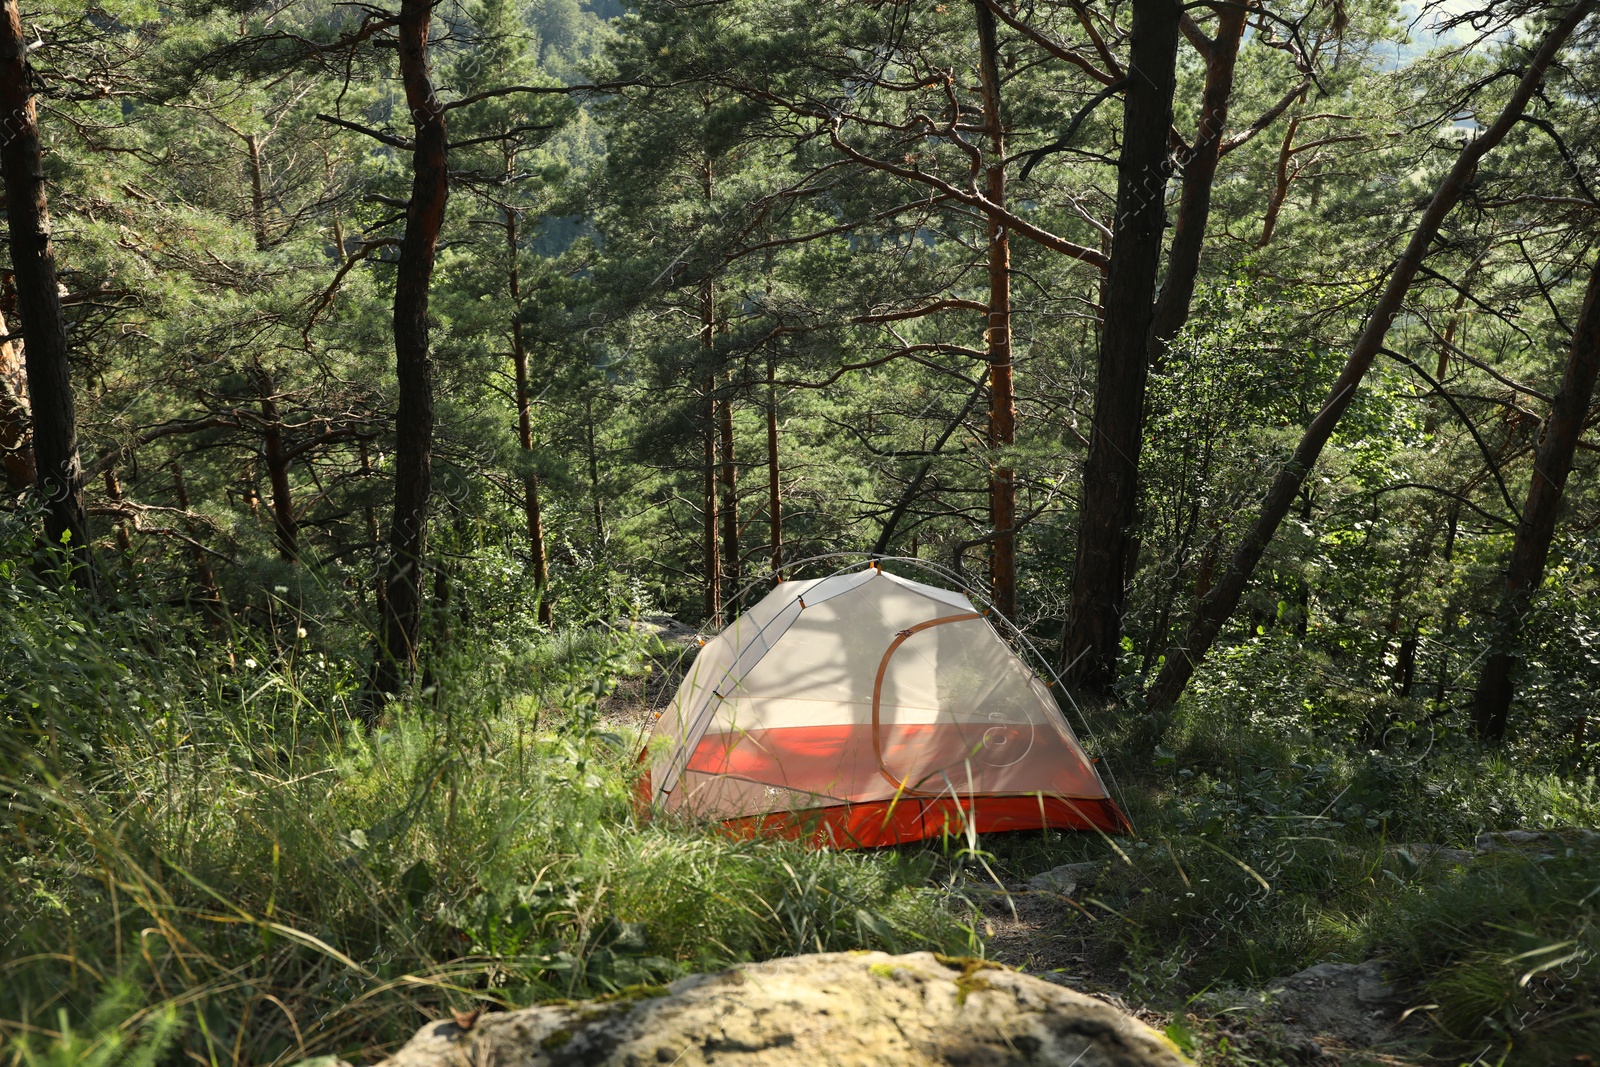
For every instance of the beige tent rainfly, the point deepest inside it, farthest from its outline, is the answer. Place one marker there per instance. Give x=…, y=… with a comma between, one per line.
x=864, y=709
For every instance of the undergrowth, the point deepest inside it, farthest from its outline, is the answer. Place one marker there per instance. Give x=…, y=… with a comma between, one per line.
x=1269, y=841
x=1506, y=952
x=207, y=860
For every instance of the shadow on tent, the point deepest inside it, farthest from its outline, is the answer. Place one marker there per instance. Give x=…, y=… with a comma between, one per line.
x=863, y=709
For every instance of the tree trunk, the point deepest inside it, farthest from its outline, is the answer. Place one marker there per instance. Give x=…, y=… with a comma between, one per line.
x=1224, y=597
x=1199, y=174
x=997, y=336
x=1447, y=630
x=730, y=501
x=258, y=196
x=530, y=480
x=252, y=492
x=16, y=446
x=708, y=324
x=204, y=576
x=114, y=493
x=1404, y=675
x=1302, y=625
x=1552, y=462
x=592, y=453
x=901, y=506
x=284, y=526
x=711, y=557
x=1183, y=260
x=1280, y=185
x=1447, y=342
x=774, y=486
x=1092, y=636
x=380, y=600
x=58, y=471
x=413, y=468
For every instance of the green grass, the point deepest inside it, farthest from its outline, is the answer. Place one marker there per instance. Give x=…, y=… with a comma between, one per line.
x=205, y=860
x=224, y=869
x=1264, y=848
x=1506, y=951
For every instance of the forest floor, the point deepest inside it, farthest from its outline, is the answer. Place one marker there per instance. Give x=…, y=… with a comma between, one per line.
x=238, y=874
x=1038, y=905
x=1028, y=919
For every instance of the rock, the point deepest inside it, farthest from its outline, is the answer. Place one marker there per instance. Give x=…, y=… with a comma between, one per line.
x=831, y=1010
x=1060, y=978
x=1351, y=1001
x=1424, y=855
x=665, y=627
x=1536, y=842
x=1323, y=1016
x=1066, y=879
x=1495, y=841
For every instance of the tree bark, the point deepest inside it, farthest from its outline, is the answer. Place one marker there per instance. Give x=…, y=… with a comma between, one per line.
x=16, y=444
x=997, y=335
x=284, y=526
x=711, y=558
x=1219, y=604
x=258, y=196
x=204, y=575
x=252, y=492
x=1280, y=185
x=1404, y=675
x=774, y=486
x=592, y=453
x=1447, y=343
x=1199, y=175
x=114, y=494
x=1092, y=636
x=530, y=480
x=1552, y=462
x=730, y=501
x=909, y=495
x=708, y=325
x=1447, y=629
x=413, y=478
x=380, y=599
x=58, y=470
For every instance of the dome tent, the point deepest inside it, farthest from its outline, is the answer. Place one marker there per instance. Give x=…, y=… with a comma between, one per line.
x=866, y=709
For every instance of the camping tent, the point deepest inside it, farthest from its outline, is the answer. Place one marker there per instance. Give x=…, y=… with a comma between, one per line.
x=867, y=709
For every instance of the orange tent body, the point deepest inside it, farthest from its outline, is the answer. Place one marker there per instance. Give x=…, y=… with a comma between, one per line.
x=865, y=709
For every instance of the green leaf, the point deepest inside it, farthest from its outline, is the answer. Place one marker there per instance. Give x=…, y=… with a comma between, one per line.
x=1180, y=1035
x=416, y=882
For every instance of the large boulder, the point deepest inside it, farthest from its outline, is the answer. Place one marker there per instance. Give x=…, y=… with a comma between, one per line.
x=842, y=1009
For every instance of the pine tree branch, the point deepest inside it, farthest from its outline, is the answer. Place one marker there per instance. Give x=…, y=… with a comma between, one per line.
x=378, y=135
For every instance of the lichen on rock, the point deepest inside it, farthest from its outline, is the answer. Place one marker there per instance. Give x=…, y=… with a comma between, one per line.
x=844, y=1009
